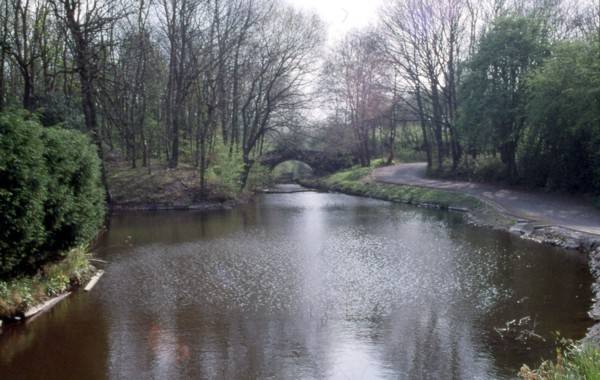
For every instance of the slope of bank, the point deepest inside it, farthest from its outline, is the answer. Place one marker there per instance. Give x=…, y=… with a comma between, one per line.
x=361, y=182
x=161, y=188
x=23, y=293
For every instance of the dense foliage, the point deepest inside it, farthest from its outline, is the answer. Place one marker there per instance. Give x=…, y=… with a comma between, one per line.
x=23, y=190
x=74, y=206
x=17, y=294
x=561, y=147
x=488, y=90
x=494, y=92
x=51, y=197
x=535, y=104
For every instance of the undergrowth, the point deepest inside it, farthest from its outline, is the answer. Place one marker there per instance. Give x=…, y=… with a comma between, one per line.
x=20, y=293
x=573, y=362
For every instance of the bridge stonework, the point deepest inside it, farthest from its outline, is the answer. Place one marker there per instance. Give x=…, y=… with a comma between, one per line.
x=321, y=162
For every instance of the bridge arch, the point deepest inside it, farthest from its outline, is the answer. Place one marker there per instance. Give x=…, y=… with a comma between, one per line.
x=321, y=162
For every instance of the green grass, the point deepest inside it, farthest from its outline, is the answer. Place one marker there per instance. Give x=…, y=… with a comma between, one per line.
x=357, y=181
x=575, y=362
x=20, y=293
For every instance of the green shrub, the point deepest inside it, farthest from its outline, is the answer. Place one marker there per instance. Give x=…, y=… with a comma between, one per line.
x=379, y=163
x=574, y=362
x=74, y=206
x=23, y=182
x=51, y=197
x=259, y=177
x=20, y=293
x=409, y=155
x=225, y=170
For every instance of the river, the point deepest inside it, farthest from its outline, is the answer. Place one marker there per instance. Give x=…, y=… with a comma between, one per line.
x=306, y=286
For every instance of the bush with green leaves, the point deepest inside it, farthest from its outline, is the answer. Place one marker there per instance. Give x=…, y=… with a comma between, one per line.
x=225, y=170
x=259, y=177
x=562, y=147
x=75, y=197
x=23, y=190
x=493, y=95
x=51, y=196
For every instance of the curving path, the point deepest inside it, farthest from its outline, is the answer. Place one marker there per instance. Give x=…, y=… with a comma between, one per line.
x=545, y=208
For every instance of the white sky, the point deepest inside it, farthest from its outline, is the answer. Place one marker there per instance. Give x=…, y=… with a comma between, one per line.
x=342, y=16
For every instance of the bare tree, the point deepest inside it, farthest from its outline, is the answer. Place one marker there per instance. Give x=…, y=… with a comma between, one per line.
x=278, y=60
x=25, y=30
x=86, y=22
x=353, y=75
x=426, y=40
x=180, y=25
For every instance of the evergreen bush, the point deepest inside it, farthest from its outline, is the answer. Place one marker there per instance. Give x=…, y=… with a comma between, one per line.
x=23, y=191
x=51, y=195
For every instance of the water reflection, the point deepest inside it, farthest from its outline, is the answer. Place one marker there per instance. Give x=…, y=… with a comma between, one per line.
x=306, y=285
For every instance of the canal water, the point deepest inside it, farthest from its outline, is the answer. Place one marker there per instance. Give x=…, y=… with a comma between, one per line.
x=307, y=286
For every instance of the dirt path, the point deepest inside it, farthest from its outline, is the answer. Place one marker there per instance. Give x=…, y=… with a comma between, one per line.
x=552, y=209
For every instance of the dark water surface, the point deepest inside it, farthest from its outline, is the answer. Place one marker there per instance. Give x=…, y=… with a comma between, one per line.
x=305, y=286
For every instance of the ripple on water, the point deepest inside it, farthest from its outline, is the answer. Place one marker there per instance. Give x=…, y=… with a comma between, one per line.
x=308, y=286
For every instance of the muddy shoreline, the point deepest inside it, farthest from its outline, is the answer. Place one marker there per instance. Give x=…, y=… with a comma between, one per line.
x=195, y=206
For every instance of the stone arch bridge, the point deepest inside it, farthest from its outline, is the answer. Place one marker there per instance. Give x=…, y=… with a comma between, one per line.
x=321, y=162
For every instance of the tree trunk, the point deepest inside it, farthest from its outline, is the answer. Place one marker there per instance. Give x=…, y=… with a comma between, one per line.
x=28, y=103
x=426, y=144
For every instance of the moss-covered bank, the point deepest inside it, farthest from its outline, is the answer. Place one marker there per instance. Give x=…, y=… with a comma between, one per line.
x=358, y=181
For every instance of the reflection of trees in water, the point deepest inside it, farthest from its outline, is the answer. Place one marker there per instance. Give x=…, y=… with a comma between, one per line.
x=316, y=285
x=528, y=279
x=191, y=344
x=425, y=343
x=168, y=227
x=37, y=349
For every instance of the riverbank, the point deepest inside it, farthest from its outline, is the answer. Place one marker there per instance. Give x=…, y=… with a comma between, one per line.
x=360, y=182
x=154, y=188
x=160, y=188
x=24, y=293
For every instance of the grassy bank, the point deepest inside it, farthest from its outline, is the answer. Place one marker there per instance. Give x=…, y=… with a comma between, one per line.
x=358, y=181
x=162, y=187
x=155, y=186
x=575, y=362
x=21, y=293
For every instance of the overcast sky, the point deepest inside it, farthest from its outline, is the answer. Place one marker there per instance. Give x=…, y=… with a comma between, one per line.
x=342, y=15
